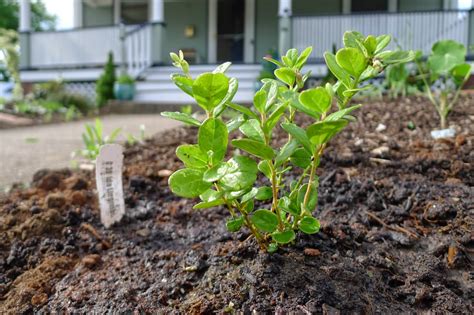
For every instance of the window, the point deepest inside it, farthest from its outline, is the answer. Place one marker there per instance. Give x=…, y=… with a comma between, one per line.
x=369, y=5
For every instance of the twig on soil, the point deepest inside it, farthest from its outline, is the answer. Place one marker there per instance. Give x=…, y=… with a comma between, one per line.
x=393, y=228
x=89, y=228
x=328, y=177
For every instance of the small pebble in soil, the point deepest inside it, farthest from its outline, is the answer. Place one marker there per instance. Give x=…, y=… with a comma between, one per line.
x=55, y=200
x=92, y=260
x=312, y=252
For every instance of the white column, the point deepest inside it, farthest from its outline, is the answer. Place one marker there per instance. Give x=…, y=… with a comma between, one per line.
x=392, y=6
x=450, y=4
x=77, y=18
x=249, y=32
x=284, y=26
x=346, y=7
x=118, y=12
x=284, y=8
x=157, y=11
x=212, y=32
x=25, y=16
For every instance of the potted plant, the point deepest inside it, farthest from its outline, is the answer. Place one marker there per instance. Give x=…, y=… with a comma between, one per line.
x=124, y=88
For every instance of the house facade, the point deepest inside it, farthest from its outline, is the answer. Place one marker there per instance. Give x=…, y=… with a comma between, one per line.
x=141, y=33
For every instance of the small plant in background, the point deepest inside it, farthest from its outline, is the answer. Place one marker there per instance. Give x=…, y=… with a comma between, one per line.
x=105, y=84
x=233, y=182
x=446, y=64
x=268, y=68
x=10, y=51
x=132, y=139
x=186, y=109
x=124, y=88
x=94, y=138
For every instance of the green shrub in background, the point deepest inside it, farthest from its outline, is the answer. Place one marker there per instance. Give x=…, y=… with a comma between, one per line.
x=55, y=91
x=447, y=63
x=125, y=79
x=105, y=84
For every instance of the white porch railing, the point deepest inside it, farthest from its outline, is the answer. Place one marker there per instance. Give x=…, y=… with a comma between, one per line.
x=90, y=46
x=413, y=30
x=137, y=46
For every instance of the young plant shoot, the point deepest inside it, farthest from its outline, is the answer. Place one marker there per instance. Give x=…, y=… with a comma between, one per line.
x=447, y=63
x=232, y=182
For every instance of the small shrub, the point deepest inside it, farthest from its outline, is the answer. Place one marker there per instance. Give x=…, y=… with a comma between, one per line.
x=125, y=79
x=447, y=65
x=232, y=182
x=105, y=84
x=94, y=139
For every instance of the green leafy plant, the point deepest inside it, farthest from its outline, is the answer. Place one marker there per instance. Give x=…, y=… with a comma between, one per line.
x=125, y=79
x=10, y=53
x=232, y=182
x=446, y=63
x=94, y=138
x=105, y=84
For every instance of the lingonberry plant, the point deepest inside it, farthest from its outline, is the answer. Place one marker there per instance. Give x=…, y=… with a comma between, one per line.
x=446, y=63
x=233, y=182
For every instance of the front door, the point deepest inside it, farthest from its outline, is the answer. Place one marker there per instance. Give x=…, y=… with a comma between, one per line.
x=230, y=30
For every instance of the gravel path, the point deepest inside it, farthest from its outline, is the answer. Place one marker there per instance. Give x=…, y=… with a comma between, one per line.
x=23, y=151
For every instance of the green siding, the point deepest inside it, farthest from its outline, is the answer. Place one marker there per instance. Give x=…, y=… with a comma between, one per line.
x=419, y=5
x=178, y=15
x=266, y=27
x=99, y=16
x=305, y=7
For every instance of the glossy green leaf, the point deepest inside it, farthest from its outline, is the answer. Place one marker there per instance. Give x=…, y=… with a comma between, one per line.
x=188, y=183
x=235, y=123
x=351, y=60
x=461, y=73
x=309, y=225
x=186, y=118
x=250, y=195
x=264, y=193
x=192, y=156
x=274, y=118
x=284, y=237
x=287, y=205
x=256, y=148
x=299, y=134
x=265, y=168
x=264, y=220
x=211, y=195
x=337, y=70
x=313, y=196
x=241, y=173
x=215, y=173
x=286, y=75
x=233, y=87
x=244, y=110
x=395, y=57
x=251, y=128
x=317, y=99
x=322, y=132
x=183, y=82
x=286, y=151
x=272, y=247
x=209, y=204
x=222, y=68
x=303, y=57
x=350, y=39
x=382, y=41
x=209, y=89
x=445, y=55
x=370, y=44
x=259, y=100
x=341, y=113
x=301, y=158
x=234, y=225
x=213, y=137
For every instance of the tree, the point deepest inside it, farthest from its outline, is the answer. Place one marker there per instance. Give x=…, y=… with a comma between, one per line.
x=41, y=20
x=105, y=84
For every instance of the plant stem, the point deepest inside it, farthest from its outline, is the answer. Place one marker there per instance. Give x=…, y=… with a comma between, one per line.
x=316, y=155
x=275, y=196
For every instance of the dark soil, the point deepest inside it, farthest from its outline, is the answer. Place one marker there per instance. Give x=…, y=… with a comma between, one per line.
x=397, y=233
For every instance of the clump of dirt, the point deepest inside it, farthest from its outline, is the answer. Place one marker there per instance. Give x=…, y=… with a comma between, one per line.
x=396, y=232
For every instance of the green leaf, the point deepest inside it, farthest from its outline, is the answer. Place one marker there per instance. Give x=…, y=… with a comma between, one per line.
x=186, y=118
x=274, y=117
x=183, y=82
x=211, y=195
x=215, y=173
x=192, y=156
x=272, y=93
x=322, y=132
x=338, y=72
x=272, y=248
x=222, y=68
x=264, y=193
x=251, y=128
x=351, y=60
x=301, y=158
x=244, y=110
x=395, y=57
x=213, y=136
x=285, y=152
x=382, y=41
x=250, y=195
x=445, y=55
x=264, y=220
x=461, y=73
x=259, y=100
x=350, y=39
x=288, y=206
x=303, y=57
x=256, y=148
x=341, y=113
x=188, y=183
x=209, y=204
x=370, y=44
x=313, y=196
x=233, y=87
x=265, y=168
x=299, y=134
x=235, y=123
x=286, y=75
x=241, y=173
x=317, y=99
x=209, y=89
x=309, y=225
x=234, y=225
x=284, y=237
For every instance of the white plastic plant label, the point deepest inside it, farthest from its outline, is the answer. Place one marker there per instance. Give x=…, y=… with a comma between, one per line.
x=443, y=133
x=108, y=174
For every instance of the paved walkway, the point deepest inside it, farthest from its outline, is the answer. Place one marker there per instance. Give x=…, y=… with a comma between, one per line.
x=25, y=150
